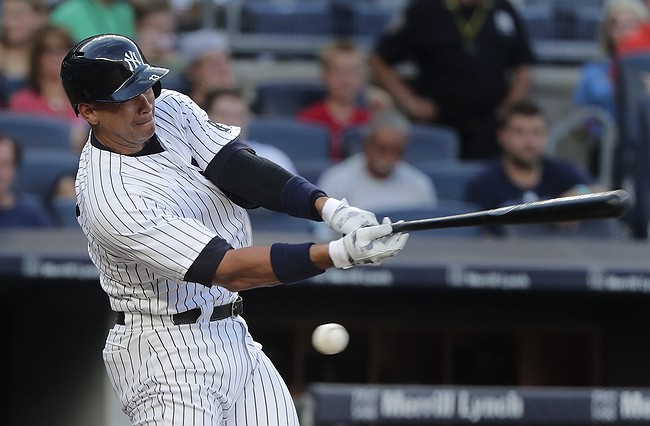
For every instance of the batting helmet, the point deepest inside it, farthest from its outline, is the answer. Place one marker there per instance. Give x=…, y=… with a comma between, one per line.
x=107, y=68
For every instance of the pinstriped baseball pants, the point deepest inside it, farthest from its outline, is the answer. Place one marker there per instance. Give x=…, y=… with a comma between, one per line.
x=208, y=373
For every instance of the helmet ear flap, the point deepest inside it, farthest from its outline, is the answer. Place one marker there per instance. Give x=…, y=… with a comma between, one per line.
x=157, y=88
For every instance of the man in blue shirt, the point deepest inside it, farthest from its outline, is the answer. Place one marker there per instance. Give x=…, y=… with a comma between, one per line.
x=17, y=210
x=523, y=173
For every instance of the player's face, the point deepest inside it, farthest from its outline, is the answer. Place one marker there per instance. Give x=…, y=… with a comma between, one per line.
x=384, y=149
x=523, y=139
x=126, y=126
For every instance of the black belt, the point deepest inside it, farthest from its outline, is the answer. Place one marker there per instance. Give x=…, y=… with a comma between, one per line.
x=189, y=317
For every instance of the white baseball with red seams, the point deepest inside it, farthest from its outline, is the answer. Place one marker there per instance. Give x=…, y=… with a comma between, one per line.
x=330, y=338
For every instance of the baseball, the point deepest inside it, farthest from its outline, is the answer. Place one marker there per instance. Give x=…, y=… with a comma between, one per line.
x=330, y=338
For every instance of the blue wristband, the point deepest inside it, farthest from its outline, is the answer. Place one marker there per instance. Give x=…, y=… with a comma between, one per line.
x=291, y=262
x=298, y=198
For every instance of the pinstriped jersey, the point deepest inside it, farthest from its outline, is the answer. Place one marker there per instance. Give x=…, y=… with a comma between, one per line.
x=148, y=217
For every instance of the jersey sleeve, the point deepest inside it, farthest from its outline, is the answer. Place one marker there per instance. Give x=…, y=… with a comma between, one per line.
x=139, y=230
x=186, y=123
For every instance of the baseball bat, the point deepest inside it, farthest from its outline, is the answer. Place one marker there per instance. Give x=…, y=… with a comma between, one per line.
x=601, y=205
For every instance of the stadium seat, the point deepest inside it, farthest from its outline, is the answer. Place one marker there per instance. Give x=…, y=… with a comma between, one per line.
x=539, y=21
x=39, y=171
x=35, y=131
x=443, y=208
x=370, y=19
x=9, y=86
x=300, y=141
x=450, y=178
x=281, y=17
x=65, y=212
x=425, y=143
x=270, y=221
x=312, y=169
x=286, y=98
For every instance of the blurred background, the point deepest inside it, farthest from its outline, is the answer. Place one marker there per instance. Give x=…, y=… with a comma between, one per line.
x=527, y=325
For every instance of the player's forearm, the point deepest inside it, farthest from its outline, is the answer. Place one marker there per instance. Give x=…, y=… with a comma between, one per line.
x=252, y=267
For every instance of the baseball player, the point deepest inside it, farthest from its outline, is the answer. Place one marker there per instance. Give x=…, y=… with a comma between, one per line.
x=162, y=194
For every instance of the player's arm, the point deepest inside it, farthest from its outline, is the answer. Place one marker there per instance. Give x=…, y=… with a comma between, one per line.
x=252, y=181
x=251, y=267
x=260, y=266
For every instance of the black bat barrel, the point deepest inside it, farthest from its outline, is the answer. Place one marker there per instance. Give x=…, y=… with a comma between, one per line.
x=601, y=205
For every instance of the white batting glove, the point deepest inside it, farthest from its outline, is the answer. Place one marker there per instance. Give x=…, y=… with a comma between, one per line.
x=369, y=245
x=343, y=218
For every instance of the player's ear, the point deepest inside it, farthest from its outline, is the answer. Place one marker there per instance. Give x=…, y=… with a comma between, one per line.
x=87, y=112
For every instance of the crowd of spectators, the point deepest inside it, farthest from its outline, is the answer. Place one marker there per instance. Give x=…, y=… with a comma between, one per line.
x=474, y=61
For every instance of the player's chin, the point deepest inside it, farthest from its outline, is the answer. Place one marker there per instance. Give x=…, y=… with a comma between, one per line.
x=145, y=129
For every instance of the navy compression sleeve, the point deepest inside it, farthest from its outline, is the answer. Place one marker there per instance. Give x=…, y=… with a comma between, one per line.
x=252, y=181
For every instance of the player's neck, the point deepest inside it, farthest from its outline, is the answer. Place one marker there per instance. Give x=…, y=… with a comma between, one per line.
x=119, y=148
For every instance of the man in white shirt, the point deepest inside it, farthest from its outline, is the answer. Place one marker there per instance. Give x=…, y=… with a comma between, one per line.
x=377, y=178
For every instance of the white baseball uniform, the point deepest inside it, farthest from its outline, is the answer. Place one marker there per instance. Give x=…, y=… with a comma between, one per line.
x=148, y=217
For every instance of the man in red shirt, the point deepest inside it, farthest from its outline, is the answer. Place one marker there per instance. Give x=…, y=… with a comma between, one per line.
x=348, y=102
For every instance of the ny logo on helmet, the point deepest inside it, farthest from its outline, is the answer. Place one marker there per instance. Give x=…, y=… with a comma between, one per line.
x=132, y=59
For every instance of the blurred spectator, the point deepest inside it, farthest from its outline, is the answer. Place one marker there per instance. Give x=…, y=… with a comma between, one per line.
x=17, y=210
x=21, y=19
x=473, y=60
x=63, y=188
x=227, y=106
x=85, y=18
x=207, y=62
x=348, y=100
x=523, y=174
x=44, y=92
x=378, y=178
x=596, y=86
x=156, y=35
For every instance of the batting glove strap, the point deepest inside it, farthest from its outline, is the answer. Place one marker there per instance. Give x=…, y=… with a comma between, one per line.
x=370, y=245
x=344, y=218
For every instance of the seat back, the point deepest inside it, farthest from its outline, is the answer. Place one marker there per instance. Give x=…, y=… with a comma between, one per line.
x=263, y=220
x=450, y=178
x=65, y=212
x=300, y=141
x=281, y=17
x=35, y=131
x=39, y=171
x=425, y=143
x=286, y=98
